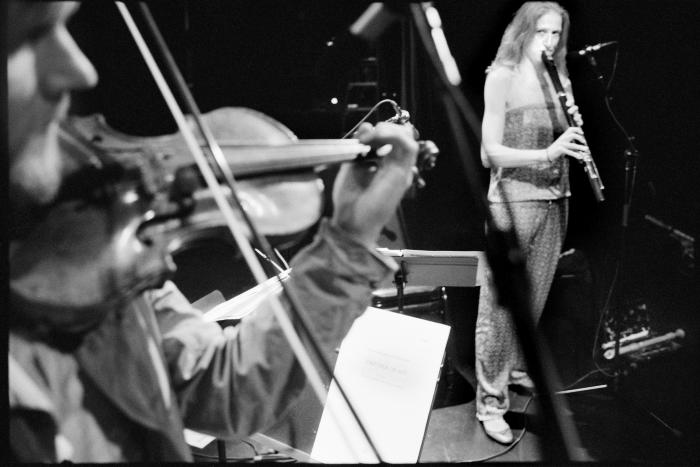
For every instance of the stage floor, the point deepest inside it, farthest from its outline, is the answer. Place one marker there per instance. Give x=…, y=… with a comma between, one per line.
x=649, y=414
x=454, y=435
x=611, y=427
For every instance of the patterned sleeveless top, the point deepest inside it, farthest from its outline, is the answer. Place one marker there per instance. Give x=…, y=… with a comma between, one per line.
x=533, y=126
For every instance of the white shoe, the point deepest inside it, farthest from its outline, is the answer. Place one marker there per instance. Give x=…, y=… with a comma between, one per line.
x=498, y=429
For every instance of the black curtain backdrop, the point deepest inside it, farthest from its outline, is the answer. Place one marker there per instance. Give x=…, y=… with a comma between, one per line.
x=273, y=57
x=265, y=55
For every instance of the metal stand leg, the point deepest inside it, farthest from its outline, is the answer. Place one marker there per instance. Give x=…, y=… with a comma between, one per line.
x=221, y=450
x=400, y=281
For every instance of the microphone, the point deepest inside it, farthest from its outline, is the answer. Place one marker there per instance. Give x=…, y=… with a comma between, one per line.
x=590, y=49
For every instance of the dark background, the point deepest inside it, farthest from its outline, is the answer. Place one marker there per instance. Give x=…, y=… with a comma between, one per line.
x=273, y=57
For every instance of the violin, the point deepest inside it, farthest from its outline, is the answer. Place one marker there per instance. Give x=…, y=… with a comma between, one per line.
x=129, y=203
x=277, y=173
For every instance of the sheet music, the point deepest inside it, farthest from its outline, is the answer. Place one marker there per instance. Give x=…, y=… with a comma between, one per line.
x=388, y=365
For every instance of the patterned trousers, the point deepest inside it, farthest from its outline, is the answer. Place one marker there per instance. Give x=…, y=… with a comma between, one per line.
x=540, y=227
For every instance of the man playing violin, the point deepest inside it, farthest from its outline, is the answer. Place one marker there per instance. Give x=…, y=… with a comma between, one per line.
x=121, y=384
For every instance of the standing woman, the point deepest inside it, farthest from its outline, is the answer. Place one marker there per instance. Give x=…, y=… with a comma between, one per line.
x=524, y=141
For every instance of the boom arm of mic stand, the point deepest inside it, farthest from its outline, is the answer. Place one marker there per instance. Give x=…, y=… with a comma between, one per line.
x=631, y=157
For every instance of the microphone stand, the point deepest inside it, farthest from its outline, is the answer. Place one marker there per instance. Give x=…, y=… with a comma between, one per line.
x=631, y=156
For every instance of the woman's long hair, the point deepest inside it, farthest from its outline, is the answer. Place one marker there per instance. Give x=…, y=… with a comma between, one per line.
x=523, y=28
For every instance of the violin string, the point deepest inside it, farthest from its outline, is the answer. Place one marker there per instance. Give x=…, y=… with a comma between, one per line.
x=246, y=249
x=269, y=260
x=281, y=258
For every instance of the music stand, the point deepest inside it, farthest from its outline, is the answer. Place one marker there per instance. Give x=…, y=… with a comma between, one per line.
x=435, y=268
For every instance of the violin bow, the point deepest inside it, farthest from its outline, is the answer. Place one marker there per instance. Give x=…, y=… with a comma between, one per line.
x=227, y=211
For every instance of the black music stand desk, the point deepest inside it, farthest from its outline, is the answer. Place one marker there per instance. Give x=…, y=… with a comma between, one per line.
x=436, y=268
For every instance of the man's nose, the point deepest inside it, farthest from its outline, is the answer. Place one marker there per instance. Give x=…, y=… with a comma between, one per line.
x=65, y=68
